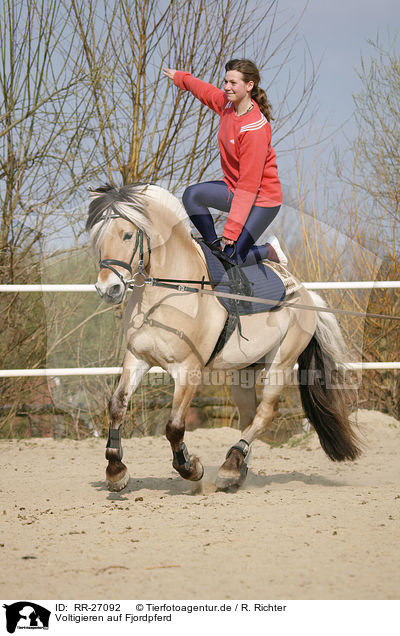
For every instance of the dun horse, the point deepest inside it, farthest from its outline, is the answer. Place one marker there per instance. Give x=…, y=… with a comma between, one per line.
x=141, y=231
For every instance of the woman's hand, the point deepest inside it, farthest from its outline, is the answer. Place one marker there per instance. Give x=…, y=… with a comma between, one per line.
x=226, y=241
x=169, y=72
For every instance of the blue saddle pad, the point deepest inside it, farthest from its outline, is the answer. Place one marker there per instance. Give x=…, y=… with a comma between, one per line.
x=263, y=282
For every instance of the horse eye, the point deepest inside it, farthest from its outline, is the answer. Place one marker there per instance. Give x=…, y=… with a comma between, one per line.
x=127, y=236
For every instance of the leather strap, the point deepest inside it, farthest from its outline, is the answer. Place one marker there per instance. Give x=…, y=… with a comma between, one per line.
x=181, y=457
x=242, y=446
x=114, y=441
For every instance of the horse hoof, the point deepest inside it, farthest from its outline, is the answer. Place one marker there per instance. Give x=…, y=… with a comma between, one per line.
x=117, y=477
x=229, y=479
x=117, y=486
x=194, y=472
x=198, y=469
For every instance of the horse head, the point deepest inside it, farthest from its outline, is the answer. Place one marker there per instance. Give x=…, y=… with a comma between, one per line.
x=124, y=223
x=118, y=228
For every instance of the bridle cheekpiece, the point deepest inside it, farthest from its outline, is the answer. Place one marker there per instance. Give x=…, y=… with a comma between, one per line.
x=111, y=263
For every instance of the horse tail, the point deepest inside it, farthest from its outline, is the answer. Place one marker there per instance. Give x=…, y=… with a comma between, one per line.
x=325, y=390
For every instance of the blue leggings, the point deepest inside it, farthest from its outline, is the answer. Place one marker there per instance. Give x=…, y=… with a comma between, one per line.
x=216, y=194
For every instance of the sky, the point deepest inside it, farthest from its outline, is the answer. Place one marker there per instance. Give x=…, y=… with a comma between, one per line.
x=337, y=34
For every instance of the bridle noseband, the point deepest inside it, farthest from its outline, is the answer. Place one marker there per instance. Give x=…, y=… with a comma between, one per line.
x=110, y=263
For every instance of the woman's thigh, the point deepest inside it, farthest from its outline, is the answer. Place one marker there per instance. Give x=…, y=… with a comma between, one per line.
x=213, y=194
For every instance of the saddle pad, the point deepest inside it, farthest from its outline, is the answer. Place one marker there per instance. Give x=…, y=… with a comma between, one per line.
x=263, y=282
x=291, y=283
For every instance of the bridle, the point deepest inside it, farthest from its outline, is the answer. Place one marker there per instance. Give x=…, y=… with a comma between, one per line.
x=110, y=263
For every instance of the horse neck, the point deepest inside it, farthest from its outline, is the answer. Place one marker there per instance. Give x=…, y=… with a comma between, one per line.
x=176, y=255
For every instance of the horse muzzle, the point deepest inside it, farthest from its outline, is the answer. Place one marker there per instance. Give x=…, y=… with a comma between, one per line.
x=112, y=291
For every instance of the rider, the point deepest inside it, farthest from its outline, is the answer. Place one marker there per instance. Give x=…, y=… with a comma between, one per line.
x=250, y=190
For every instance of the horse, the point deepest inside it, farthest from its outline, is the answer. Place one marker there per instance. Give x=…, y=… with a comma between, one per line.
x=140, y=232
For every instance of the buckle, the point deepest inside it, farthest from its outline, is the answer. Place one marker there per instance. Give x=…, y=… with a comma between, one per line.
x=133, y=281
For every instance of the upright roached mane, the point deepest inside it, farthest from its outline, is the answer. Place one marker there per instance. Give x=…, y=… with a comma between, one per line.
x=128, y=202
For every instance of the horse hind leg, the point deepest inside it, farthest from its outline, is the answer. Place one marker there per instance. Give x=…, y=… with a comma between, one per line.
x=117, y=475
x=188, y=466
x=244, y=396
x=234, y=470
x=278, y=373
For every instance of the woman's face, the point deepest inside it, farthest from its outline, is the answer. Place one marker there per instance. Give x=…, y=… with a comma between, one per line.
x=235, y=87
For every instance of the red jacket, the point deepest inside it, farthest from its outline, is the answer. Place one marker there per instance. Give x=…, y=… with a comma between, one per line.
x=248, y=160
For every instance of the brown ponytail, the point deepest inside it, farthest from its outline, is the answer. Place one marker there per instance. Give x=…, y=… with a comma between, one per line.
x=250, y=73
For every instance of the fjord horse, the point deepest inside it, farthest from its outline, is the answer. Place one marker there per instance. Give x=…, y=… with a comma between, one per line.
x=142, y=232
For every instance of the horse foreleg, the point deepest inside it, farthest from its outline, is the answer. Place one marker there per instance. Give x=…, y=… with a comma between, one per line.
x=188, y=466
x=117, y=475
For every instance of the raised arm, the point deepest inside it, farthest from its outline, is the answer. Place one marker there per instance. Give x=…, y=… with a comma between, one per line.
x=208, y=94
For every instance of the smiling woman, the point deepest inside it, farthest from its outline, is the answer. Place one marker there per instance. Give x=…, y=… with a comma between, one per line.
x=250, y=191
x=241, y=77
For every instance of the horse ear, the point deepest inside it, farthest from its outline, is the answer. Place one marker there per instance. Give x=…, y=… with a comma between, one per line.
x=102, y=189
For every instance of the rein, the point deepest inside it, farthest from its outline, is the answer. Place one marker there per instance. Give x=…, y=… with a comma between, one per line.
x=180, y=285
x=263, y=301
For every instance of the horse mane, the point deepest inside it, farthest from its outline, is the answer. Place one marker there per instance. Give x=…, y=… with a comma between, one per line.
x=131, y=202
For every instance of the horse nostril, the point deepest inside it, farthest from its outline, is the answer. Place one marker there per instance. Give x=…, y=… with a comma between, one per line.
x=100, y=293
x=114, y=291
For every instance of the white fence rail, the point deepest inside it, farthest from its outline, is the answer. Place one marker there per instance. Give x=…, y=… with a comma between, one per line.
x=35, y=373
x=15, y=373
x=364, y=284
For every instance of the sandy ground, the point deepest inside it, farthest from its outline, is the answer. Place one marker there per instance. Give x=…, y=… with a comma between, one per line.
x=301, y=527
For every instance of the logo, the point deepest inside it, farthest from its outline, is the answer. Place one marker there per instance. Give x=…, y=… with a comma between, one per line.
x=232, y=141
x=26, y=615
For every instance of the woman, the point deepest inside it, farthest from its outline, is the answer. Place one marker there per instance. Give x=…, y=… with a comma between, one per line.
x=250, y=190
